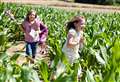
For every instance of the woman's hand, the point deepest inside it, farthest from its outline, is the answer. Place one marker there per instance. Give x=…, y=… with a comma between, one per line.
x=72, y=42
x=81, y=40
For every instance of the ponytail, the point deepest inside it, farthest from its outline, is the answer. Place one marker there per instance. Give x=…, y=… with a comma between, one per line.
x=69, y=26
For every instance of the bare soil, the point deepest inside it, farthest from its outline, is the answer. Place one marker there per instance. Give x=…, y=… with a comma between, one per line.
x=69, y=5
x=19, y=48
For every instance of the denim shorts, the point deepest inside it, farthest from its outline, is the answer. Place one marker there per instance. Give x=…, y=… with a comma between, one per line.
x=31, y=48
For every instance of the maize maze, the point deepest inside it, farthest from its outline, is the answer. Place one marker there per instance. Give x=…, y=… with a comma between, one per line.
x=99, y=58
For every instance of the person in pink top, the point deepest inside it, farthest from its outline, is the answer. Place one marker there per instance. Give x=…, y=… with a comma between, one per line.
x=31, y=26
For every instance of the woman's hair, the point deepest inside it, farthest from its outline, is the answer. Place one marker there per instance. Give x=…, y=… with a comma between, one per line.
x=75, y=19
x=69, y=26
x=29, y=13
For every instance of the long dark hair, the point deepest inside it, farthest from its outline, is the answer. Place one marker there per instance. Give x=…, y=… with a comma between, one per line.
x=29, y=13
x=69, y=26
x=75, y=19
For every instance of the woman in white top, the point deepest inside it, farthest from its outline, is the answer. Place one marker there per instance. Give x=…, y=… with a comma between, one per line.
x=74, y=38
x=73, y=43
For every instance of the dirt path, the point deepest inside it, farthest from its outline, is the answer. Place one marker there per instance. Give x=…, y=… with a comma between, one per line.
x=69, y=5
x=19, y=48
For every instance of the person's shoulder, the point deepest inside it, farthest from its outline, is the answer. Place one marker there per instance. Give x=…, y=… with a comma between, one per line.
x=72, y=31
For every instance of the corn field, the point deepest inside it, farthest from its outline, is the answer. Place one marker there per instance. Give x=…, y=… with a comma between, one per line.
x=99, y=58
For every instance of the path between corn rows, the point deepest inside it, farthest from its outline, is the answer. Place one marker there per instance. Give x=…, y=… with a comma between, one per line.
x=19, y=48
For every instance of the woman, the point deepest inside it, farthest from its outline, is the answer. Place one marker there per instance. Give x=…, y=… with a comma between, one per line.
x=74, y=38
x=33, y=30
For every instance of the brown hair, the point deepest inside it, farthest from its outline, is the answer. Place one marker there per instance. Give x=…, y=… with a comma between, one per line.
x=69, y=26
x=75, y=19
x=29, y=13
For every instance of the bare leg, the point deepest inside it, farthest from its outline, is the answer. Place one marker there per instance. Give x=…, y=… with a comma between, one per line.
x=42, y=48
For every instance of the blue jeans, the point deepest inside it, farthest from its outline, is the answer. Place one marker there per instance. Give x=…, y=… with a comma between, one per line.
x=31, y=48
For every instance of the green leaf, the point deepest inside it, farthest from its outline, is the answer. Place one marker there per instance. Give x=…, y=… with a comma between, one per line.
x=89, y=76
x=34, y=76
x=99, y=58
x=44, y=71
x=14, y=57
x=3, y=55
x=25, y=74
x=104, y=53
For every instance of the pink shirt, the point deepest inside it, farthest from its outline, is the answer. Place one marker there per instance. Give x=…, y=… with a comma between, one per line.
x=30, y=30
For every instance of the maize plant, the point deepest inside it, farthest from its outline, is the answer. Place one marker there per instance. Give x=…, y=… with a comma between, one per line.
x=99, y=58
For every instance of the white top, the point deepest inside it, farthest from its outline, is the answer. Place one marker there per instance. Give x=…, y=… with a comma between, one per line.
x=73, y=52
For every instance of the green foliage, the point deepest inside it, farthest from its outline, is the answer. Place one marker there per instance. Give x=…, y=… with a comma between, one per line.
x=100, y=55
x=10, y=71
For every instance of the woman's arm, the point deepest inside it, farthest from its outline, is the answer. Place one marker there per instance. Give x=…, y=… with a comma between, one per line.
x=81, y=42
x=22, y=28
x=43, y=28
x=71, y=41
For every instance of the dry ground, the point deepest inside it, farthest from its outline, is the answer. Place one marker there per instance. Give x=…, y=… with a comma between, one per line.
x=19, y=48
x=69, y=5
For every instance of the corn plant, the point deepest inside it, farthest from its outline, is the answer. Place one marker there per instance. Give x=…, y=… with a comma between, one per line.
x=99, y=57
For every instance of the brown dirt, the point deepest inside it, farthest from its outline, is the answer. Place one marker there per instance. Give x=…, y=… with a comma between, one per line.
x=19, y=47
x=69, y=5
